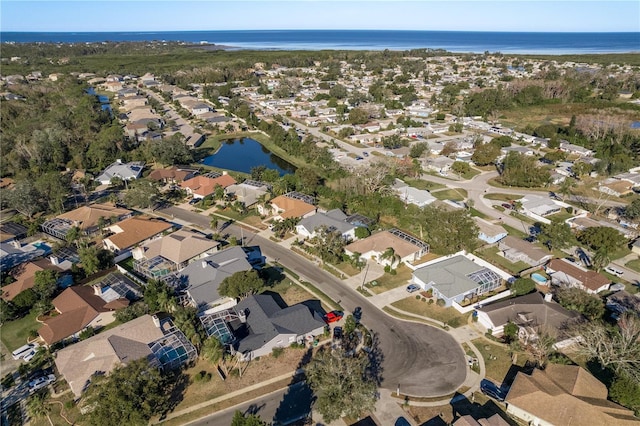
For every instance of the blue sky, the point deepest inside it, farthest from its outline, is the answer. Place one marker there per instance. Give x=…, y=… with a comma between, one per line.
x=175, y=15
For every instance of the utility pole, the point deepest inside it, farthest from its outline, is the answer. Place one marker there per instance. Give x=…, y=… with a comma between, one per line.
x=364, y=278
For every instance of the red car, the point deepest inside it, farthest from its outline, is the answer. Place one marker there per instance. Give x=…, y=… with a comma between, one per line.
x=333, y=316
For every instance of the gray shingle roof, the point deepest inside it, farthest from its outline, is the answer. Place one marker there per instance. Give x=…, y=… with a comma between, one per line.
x=333, y=220
x=203, y=277
x=266, y=320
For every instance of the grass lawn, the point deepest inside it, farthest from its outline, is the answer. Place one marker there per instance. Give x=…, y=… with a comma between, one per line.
x=447, y=315
x=389, y=282
x=478, y=213
x=502, y=197
x=497, y=359
x=57, y=406
x=424, y=184
x=347, y=268
x=562, y=215
x=520, y=233
x=451, y=194
x=471, y=174
x=621, y=252
x=491, y=255
x=14, y=333
x=633, y=264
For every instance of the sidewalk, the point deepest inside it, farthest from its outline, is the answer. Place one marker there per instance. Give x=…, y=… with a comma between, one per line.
x=230, y=395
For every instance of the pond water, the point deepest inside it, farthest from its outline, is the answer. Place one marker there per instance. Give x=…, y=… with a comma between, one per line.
x=241, y=155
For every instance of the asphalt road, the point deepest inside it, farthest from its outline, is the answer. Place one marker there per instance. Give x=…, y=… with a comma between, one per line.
x=282, y=407
x=422, y=360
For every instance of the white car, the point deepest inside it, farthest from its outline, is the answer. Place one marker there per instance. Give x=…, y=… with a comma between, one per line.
x=29, y=356
x=40, y=382
x=613, y=271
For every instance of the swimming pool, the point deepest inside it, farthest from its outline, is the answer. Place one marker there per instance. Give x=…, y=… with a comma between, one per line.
x=538, y=278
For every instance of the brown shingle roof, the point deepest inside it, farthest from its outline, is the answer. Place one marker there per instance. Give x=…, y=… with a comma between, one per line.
x=590, y=279
x=171, y=173
x=78, y=306
x=24, y=279
x=179, y=247
x=562, y=395
x=380, y=242
x=534, y=253
x=203, y=185
x=135, y=230
x=88, y=216
x=290, y=207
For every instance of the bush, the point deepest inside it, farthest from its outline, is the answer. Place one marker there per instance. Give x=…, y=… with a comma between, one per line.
x=276, y=352
x=387, y=268
x=441, y=302
x=417, y=297
x=454, y=322
x=393, y=272
x=431, y=301
x=423, y=299
x=202, y=376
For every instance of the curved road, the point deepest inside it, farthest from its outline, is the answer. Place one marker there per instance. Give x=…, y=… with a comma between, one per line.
x=422, y=360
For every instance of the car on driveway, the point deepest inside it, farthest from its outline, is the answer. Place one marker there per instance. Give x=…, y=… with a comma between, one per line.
x=333, y=316
x=401, y=421
x=412, y=288
x=40, y=382
x=491, y=389
x=507, y=206
x=337, y=333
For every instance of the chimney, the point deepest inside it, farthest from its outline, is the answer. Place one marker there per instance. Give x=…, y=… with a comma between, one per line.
x=204, y=264
x=548, y=297
x=224, y=172
x=54, y=260
x=156, y=320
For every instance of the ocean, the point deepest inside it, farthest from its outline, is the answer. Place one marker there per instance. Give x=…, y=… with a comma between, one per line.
x=453, y=41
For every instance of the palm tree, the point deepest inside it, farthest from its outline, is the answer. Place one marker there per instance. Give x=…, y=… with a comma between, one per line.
x=212, y=350
x=38, y=407
x=214, y=223
x=390, y=254
x=600, y=259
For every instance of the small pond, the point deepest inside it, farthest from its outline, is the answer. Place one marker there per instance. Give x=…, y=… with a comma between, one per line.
x=241, y=155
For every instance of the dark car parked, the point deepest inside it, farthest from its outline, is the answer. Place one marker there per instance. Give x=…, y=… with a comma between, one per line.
x=491, y=389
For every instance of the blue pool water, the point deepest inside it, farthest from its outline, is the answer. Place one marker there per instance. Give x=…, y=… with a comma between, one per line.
x=538, y=278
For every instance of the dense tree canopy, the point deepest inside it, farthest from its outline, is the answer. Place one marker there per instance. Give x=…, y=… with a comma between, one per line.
x=522, y=170
x=241, y=284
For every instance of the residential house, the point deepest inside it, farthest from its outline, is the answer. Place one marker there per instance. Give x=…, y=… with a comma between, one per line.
x=116, y=288
x=518, y=250
x=147, y=337
x=564, y=395
x=538, y=206
x=411, y=195
x=13, y=252
x=333, y=220
x=404, y=247
x=87, y=218
x=439, y=164
x=265, y=325
x=575, y=149
x=566, y=274
x=632, y=177
x=616, y=187
x=290, y=205
x=248, y=192
x=78, y=308
x=130, y=232
x=163, y=256
x=456, y=278
x=24, y=276
x=489, y=232
x=531, y=313
x=124, y=171
x=172, y=174
x=204, y=185
x=635, y=247
x=202, y=278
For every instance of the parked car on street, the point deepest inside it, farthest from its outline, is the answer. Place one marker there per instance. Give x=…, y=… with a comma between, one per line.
x=357, y=314
x=507, y=206
x=412, y=288
x=333, y=316
x=613, y=271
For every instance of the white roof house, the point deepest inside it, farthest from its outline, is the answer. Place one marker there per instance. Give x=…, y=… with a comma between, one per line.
x=412, y=195
x=124, y=171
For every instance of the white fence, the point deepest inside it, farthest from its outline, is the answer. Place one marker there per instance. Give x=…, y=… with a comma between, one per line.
x=471, y=307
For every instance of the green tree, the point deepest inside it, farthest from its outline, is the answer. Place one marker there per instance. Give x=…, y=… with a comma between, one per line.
x=556, y=234
x=418, y=149
x=241, y=284
x=522, y=286
x=335, y=378
x=511, y=331
x=240, y=419
x=338, y=91
x=141, y=193
x=523, y=170
x=349, y=325
x=94, y=259
x=25, y=299
x=361, y=232
x=600, y=259
x=390, y=255
x=632, y=211
x=159, y=296
x=186, y=319
x=460, y=167
x=37, y=406
x=45, y=283
x=602, y=238
x=358, y=116
x=626, y=391
x=485, y=154
x=578, y=300
x=25, y=198
x=212, y=350
x=130, y=394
